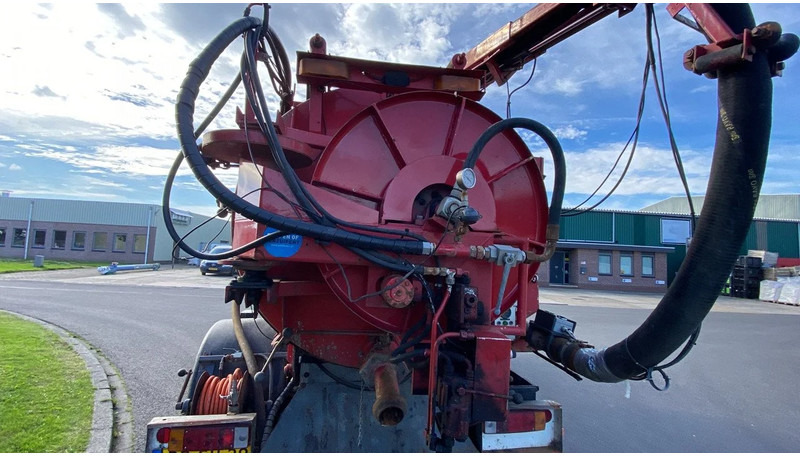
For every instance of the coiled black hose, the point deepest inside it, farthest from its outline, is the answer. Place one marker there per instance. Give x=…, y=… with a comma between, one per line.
x=184, y=113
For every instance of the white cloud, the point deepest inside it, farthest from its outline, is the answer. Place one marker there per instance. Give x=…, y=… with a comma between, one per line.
x=110, y=78
x=14, y=167
x=652, y=170
x=570, y=132
x=410, y=33
x=125, y=82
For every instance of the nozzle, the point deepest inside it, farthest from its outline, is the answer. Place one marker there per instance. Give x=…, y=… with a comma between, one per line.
x=390, y=406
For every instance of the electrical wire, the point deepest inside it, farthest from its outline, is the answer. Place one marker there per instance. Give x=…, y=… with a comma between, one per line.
x=652, y=25
x=634, y=139
x=511, y=93
x=254, y=31
x=662, y=101
x=222, y=256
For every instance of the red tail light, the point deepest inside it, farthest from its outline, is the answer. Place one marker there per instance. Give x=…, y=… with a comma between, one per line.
x=208, y=438
x=163, y=435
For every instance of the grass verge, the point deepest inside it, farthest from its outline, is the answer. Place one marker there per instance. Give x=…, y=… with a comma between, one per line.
x=46, y=393
x=20, y=265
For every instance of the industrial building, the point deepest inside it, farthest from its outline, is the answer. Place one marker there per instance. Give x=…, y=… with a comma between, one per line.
x=97, y=231
x=612, y=250
x=642, y=250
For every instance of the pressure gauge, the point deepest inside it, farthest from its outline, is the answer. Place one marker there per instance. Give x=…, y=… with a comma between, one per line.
x=466, y=178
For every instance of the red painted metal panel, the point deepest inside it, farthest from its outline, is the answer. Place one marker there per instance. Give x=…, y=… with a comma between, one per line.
x=492, y=365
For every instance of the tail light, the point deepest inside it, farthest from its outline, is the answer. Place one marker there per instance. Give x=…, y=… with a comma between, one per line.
x=205, y=433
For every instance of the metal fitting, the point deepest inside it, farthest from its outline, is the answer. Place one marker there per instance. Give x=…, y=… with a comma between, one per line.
x=551, y=239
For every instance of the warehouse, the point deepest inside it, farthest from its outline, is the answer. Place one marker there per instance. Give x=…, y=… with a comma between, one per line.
x=128, y=233
x=642, y=250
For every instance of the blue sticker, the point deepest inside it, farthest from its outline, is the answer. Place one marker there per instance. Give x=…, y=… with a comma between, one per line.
x=284, y=246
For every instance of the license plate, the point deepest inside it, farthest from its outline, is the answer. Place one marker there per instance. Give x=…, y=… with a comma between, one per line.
x=212, y=269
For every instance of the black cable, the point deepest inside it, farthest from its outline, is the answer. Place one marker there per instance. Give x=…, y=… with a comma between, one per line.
x=165, y=203
x=179, y=240
x=633, y=138
x=293, y=205
x=224, y=225
x=165, y=200
x=183, y=238
x=511, y=94
x=662, y=101
x=397, y=359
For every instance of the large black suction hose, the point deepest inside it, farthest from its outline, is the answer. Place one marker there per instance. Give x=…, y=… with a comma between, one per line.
x=737, y=170
x=184, y=114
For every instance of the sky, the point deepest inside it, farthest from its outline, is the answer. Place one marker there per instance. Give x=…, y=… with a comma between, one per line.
x=87, y=92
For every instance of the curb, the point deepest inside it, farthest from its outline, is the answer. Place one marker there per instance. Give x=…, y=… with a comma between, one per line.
x=103, y=410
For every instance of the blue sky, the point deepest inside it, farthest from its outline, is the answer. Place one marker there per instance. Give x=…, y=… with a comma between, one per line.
x=87, y=92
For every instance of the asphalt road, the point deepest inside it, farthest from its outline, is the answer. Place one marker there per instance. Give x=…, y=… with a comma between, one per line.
x=735, y=392
x=147, y=332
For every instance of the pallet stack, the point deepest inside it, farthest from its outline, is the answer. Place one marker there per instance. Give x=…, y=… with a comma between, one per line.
x=746, y=277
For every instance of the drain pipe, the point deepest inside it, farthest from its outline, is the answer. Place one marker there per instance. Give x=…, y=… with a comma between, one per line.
x=147, y=237
x=28, y=231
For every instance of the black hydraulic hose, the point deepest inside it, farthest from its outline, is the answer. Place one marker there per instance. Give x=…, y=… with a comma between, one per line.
x=165, y=199
x=743, y=129
x=184, y=113
x=559, y=181
x=179, y=241
x=303, y=196
x=559, y=164
x=218, y=107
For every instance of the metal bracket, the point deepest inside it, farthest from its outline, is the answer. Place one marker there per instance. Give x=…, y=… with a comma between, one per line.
x=247, y=292
x=507, y=257
x=726, y=48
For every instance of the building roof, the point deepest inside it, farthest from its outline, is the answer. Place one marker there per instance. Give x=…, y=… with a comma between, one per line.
x=612, y=246
x=78, y=211
x=773, y=207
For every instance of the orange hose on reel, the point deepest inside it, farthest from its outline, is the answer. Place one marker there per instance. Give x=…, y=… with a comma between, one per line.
x=210, y=402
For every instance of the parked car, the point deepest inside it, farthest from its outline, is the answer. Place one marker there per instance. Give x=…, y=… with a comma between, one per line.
x=213, y=266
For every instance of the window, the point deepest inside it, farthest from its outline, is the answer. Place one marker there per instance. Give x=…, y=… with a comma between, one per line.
x=78, y=240
x=59, y=239
x=2, y=237
x=19, y=237
x=100, y=241
x=38, y=238
x=647, y=266
x=179, y=217
x=139, y=242
x=604, y=264
x=119, y=242
x=675, y=231
x=626, y=264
